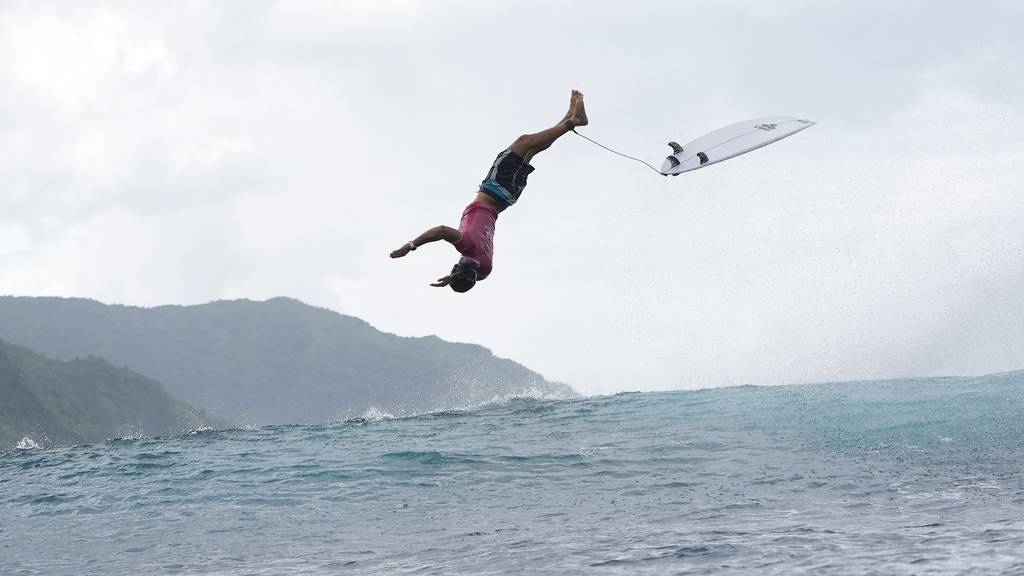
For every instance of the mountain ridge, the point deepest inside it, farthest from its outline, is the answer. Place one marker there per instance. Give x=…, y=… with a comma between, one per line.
x=83, y=400
x=273, y=361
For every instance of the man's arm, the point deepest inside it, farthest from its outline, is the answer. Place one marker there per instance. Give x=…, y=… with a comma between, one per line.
x=433, y=235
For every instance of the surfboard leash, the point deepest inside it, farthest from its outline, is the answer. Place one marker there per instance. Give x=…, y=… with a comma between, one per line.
x=573, y=130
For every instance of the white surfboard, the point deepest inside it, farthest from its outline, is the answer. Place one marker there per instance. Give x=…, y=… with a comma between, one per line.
x=729, y=142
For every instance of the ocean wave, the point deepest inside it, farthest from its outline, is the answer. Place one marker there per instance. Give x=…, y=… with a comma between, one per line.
x=833, y=479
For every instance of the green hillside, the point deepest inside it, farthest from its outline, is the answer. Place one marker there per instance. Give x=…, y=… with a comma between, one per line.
x=79, y=401
x=279, y=361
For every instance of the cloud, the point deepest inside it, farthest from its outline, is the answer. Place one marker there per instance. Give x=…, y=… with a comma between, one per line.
x=183, y=152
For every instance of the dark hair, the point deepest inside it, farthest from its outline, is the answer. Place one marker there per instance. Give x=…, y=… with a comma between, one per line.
x=463, y=276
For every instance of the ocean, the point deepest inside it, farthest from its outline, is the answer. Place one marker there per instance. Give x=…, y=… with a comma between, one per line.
x=891, y=477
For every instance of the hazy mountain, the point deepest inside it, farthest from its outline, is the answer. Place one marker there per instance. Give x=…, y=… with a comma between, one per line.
x=278, y=361
x=85, y=400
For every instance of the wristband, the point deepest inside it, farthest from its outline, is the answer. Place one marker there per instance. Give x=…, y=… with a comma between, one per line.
x=412, y=245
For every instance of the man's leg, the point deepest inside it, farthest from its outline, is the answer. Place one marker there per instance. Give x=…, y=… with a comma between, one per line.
x=529, y=145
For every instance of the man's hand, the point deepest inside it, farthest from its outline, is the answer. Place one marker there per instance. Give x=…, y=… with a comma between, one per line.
x=441, y=282
x=400, y=252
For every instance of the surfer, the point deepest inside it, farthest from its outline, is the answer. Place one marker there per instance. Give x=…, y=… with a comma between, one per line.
x=474, y=239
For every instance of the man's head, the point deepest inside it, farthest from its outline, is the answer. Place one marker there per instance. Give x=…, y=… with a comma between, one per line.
x=463, y=276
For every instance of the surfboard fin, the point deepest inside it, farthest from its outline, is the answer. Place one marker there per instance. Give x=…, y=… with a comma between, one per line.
x=676, y=148
x=703, y=158
x=673, y=161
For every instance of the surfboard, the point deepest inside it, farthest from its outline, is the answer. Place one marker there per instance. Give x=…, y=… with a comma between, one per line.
x=730, y=142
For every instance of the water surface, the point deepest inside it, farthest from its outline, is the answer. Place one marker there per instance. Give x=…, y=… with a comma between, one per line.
x=906, y=477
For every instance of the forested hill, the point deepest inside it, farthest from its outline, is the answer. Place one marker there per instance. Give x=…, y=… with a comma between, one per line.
x=82, y=401
x=278, y=361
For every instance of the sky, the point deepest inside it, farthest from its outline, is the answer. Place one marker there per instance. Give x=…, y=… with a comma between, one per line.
x=183, y=152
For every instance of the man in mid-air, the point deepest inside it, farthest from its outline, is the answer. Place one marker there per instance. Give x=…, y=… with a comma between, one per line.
x=503, y=185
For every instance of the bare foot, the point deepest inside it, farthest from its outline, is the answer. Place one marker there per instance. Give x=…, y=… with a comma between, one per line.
x=578, y=112
x=572, y=107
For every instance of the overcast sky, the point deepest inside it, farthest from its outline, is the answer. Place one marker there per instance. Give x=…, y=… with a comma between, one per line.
x=182, y=152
